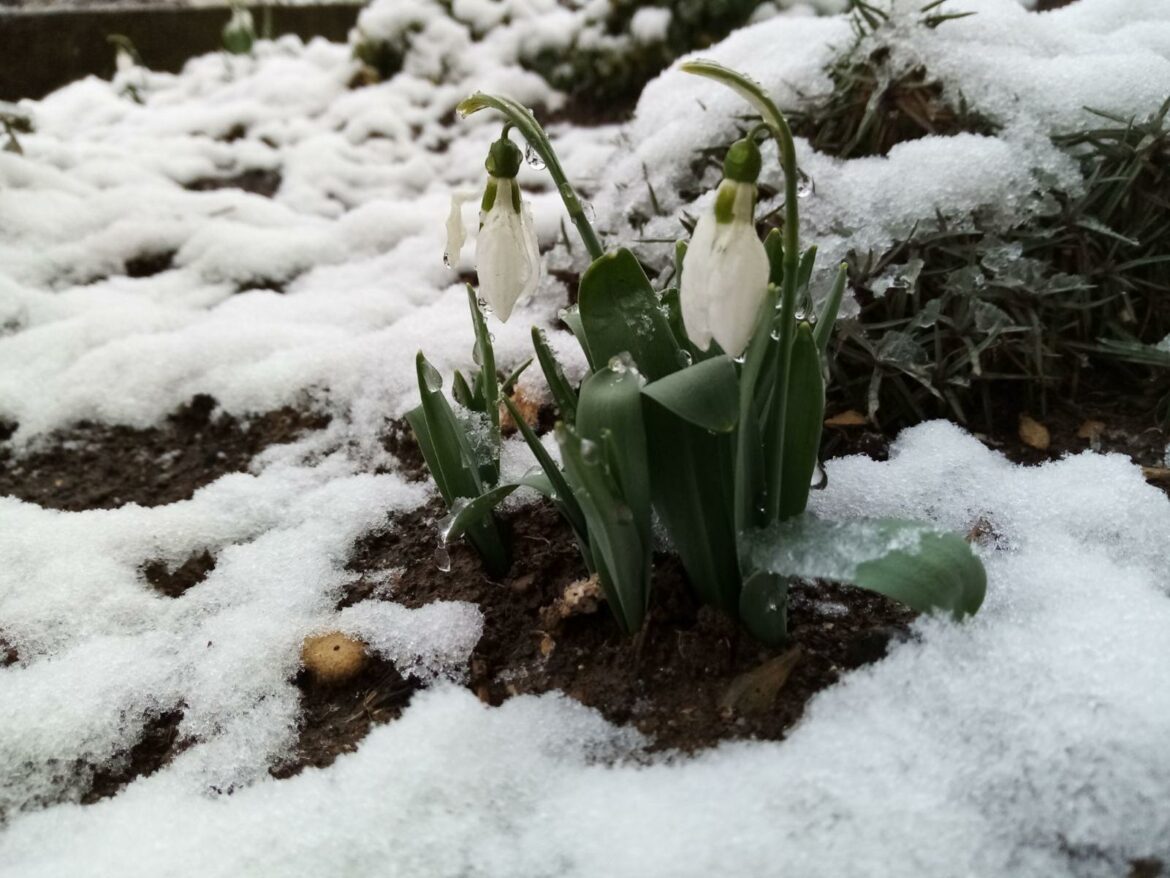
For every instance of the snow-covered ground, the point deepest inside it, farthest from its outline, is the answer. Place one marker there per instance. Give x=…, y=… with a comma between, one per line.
x=1030, y=740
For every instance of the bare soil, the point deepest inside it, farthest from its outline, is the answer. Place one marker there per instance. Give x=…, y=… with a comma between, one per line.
x=690, y=680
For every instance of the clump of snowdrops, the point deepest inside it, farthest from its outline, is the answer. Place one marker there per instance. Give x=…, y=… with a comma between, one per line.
x=703, y=405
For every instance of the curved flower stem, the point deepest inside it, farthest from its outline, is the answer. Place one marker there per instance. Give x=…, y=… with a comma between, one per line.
x=782, y=134
x=521, y=118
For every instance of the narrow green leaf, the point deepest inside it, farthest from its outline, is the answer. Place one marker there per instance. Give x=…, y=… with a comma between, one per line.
x=774, y=247
x=510, y=381
x=705, y=394
x=562, y=391
x=461, y=391
x=806, y=414
x=807, y=261
x=763, y=607
x=621, y=558
x=609, y=413
x=620, y=313
x=828, y=319
x=562, y=492
x=454, y=467
x=488, y=382
x=571, y=317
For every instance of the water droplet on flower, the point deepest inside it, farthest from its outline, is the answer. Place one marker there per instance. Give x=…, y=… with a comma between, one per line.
x=443, y=559
x=446, y=260
x=685, y=359
x=491, y=336
x=533, y=157
x=805, y=187
x=482, y=302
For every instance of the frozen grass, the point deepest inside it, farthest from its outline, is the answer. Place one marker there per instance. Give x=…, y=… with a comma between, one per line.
x=1028, y=741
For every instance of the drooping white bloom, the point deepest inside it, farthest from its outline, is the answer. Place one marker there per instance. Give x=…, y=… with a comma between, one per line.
x=507, y=256
x=725, y=272
x=456, y=233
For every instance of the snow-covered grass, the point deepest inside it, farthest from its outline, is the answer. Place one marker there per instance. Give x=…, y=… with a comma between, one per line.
x=1029, y=741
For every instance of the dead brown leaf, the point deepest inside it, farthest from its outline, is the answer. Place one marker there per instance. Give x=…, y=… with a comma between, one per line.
x=847, y=418
x=1091, y=430
x=528, y=408
x=754, y=691
x=1156, y=473
x=1034, y=434
x=578, y=599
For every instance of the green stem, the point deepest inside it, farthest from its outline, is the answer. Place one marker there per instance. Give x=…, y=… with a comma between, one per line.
x=782, y=134
x=522, y=119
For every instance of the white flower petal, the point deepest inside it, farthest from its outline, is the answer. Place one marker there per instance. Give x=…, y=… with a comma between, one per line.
x=696, y=282
x=740, y=265
x=456, y=233
x=506, y=253
x=725, y=277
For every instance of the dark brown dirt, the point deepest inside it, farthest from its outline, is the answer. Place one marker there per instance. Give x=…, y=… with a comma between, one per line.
x=158, y=745
x=94, y=466
x=174, y=582
x=335, y=719
x=258, y=182
x=670, y=680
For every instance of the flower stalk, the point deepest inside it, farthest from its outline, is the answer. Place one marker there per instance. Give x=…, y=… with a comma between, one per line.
x=522, y=119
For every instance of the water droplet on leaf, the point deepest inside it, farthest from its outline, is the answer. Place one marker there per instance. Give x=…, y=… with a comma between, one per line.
x=443, y=559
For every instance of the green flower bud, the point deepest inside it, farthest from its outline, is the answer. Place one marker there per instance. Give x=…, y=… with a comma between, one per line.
x=743, y=161
x=503, y=159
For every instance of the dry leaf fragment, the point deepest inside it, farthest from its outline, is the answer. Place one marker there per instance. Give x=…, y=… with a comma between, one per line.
x=578, y=599
x=754, y=691
x=1034, y=434
x=1156, y=473
x=528, y=408
x=847, y=418
x=333, y=657
x=1091, y=430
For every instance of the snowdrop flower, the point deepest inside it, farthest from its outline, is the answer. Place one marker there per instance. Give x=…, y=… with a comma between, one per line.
x=506, y=253
x=725, y=271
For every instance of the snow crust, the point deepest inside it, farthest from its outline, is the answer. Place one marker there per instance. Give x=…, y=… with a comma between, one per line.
x=1028, y=741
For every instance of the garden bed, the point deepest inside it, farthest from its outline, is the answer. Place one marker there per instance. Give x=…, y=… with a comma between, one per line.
x=213, y=287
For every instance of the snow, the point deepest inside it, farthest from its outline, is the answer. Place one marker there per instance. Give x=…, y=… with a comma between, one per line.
x=1028, y=740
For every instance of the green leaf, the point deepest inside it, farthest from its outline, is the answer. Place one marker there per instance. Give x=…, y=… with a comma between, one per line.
x=904, y=560
x=562, y=391
x=562, y=493
x=620, y=313
x=705, y=394
x=774, y=247
x=571, y=317
x=621, y=557
x=692, y=485
x=487, y=383
x=453, y=464
x=461, y=391
x=823, y=331
x=609, y=413
x=510, y=381
x=804, y=273
x=763, y=607
x=451, y=461
x=806, y=414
